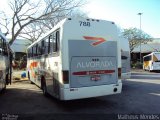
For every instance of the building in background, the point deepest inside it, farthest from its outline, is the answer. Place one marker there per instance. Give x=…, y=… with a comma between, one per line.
x=153, y=46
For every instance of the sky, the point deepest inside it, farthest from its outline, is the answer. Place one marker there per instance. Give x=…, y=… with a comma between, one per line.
x=123, y=13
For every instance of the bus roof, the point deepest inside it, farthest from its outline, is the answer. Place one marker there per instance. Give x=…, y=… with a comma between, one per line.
x=152, y=54
x=62, y=22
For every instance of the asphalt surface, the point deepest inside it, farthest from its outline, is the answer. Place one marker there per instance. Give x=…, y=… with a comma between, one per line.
x=140, y=96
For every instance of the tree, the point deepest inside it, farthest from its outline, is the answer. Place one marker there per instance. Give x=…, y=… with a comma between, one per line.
x=136, y=37
x=30, y=17
x=4, y=22
x=35, y=30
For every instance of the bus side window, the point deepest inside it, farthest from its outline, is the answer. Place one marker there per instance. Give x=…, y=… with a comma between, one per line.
x=55, y=42
x=46, y=45
x=35, y=51
x=32, y=52
x=39, y=49
x=51, y=43
x=1, y=44
x=42, y=47
x=124, y=57
x=147, y=58
x=29, y=53
x=48, y=38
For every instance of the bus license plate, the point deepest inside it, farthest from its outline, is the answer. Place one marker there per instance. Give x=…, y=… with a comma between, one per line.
x=95, y=77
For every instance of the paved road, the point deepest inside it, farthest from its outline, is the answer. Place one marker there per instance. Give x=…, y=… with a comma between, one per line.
x=139, y=96
x=146, y=75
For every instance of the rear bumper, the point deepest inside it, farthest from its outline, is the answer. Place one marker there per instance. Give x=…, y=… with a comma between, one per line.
x=87, y=92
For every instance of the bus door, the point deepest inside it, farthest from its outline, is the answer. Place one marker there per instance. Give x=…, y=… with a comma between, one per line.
x=92, y=65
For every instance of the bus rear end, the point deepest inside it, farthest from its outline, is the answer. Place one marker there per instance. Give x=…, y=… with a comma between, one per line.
x=91, y=60
x=155, y=63
x=152, y=61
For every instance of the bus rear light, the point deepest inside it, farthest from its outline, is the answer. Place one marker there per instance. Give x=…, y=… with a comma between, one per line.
x=65, y=77
x=97, y=72
x=119, y=73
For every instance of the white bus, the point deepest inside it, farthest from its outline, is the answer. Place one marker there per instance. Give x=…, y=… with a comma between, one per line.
x=5, y=62
x=78, y=58
x=151, y=61
x=125, y=57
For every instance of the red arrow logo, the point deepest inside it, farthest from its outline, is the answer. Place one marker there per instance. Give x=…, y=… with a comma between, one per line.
x=98, y=40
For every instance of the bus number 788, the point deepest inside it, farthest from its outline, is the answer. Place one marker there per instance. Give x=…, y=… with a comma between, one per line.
x=85, y=24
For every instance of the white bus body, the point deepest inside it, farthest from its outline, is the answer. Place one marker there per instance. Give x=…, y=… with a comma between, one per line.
x=151, y=61
x=5, y=62
x=83, y=60
x=125, y=57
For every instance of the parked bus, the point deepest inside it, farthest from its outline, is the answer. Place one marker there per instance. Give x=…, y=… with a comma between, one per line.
x=5, y=62
x=151, y=61
x=78, y=58
x=125, y=57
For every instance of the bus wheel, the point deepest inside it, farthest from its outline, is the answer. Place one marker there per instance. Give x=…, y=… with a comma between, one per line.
x=43, y=86
x=6, y=80
x=29, y=78
x=4, y=88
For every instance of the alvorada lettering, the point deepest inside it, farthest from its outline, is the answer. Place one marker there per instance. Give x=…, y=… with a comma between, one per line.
x=92, y=64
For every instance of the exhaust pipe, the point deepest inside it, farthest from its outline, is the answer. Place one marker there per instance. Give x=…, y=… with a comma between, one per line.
x=115, y=90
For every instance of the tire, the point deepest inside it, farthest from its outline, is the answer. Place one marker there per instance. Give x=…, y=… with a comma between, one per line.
x=29, y=78
x=7, y=80
x=43, y=86
x=4, y=89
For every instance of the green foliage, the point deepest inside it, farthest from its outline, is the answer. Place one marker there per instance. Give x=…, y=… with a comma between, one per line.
x=137, y=65
x=135, y=37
